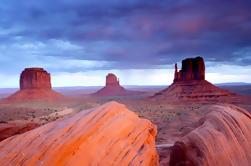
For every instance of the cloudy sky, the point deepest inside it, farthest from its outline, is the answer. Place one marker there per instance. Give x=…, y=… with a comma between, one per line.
x=80, y=41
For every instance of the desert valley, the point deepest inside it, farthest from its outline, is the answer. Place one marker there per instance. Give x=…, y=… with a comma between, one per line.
x=125, y=83
x=187, y=123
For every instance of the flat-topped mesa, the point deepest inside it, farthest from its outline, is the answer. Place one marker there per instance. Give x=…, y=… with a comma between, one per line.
x=35, y=85
x=111, y=80
x=35, y=78
x=192, y=69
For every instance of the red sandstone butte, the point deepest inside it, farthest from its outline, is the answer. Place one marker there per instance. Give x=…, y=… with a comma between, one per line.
x=221, y=138
x=189, y=85
x=35, y=78
x=192, y=69
x=113, y=88
x=35, y=84
x=112, y=81
x=108, y=135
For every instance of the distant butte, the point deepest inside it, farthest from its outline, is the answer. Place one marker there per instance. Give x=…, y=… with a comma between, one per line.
x=35, y=78
x=192, y=69
x=189, y=85
x=113, y=88
x=35, y=84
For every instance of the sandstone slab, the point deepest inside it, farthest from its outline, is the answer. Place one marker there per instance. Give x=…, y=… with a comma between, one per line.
x=222, y=137
x=107, y=135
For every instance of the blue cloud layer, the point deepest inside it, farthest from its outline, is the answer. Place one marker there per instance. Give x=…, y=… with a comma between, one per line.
x=113, y=34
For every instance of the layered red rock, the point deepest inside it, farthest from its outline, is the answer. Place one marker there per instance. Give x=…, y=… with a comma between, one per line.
x=197, y=91
x=91, y=137
x=222, y=137
x=192, y=69
x=8, y=129
x=190, y=86
x=35, y=84
x=113, y=88
x=35, y=78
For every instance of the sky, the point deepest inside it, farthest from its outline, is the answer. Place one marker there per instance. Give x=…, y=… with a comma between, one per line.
x=80, y=41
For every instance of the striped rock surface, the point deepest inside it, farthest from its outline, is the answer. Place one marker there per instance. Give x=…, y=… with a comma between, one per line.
x=107, y=135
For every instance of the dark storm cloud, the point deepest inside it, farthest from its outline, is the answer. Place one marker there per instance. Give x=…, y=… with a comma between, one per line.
x=129, y=34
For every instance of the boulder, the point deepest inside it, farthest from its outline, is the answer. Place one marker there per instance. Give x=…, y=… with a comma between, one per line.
x=108, y=135
x=222, y=137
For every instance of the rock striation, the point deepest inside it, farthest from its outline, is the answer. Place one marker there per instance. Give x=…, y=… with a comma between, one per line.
x=113, y=88
x=222, y=137
x=35, y=84
x=107, y=135
x=8, y=129
x=189, y=85
x=35, y=78
x=192, y=69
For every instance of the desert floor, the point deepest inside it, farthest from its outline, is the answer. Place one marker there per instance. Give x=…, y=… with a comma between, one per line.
x=173, y=121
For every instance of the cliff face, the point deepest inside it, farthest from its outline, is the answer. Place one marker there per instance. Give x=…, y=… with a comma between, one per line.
x=222, y=138
x=107, y=135
x=35, y=78
x=192, y=69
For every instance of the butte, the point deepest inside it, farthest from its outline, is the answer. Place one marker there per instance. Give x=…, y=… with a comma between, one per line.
x=35, y=85
x=189, y=85
x=113, y=88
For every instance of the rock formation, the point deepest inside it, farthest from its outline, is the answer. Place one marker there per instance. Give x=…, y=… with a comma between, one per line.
x=8, y=129
x=190, y=86
x=112, y=80
x=192, y=69
x=35, y=78
x=113, y=88
x=35, y=84
x=222, y=137
x=107, y=135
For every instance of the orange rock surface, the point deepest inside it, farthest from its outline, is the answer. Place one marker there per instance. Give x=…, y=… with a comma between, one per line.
x=222, y=138
x=107, y=135
x=8, y=129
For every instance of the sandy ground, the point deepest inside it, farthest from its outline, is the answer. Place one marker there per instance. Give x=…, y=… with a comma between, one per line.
x=173, y=121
